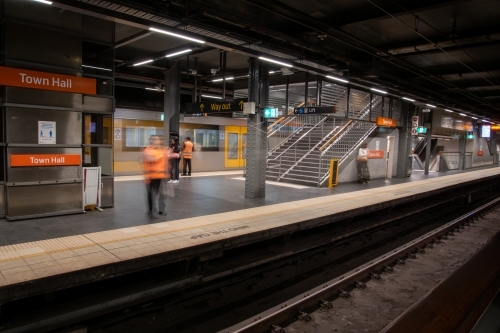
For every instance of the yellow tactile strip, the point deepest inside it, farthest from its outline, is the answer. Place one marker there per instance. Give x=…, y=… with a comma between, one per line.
x=33, y=260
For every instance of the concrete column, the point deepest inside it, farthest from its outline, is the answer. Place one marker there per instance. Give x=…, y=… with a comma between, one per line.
x=258, y=92
x=462, y=144
x=428, y=137
x=404, y=146
x=172, y=101
x=319, y=88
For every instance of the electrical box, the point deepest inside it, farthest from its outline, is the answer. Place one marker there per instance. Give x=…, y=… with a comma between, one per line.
x=249, y=108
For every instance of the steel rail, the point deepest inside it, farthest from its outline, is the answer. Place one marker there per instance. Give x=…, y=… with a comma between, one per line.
x=263, y=321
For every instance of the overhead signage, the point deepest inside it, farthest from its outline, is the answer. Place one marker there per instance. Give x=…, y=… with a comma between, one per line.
x=24, y=78
x=315, y=109
x=386, y=122
x=47, y=132
x=270, y=112
x=375, y=154
x=215, y=107
x=421, y=130
x=495, y=127
x=41, y=160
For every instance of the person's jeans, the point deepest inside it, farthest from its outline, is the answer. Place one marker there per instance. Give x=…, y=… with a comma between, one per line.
x=175, y=168
x=153, y=189
x=187, y=165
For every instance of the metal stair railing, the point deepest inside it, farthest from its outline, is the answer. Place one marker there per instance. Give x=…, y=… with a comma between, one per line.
x=297, y=162
x=321, y=122
x=345, y=144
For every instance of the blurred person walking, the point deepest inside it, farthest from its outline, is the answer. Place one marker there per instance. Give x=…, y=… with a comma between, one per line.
x=174, y=158
x=187, y=154
x=154, y=171
x=362, y=158
x=167, y=174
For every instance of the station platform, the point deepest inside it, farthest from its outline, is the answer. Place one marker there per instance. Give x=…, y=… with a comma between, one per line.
x=208, y=214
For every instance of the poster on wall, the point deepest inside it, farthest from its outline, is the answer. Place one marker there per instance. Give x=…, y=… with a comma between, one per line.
x=47, y=132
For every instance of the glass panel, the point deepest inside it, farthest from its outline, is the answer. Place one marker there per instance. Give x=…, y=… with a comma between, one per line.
x=335, y=95
x=138, y=136
x=359, y=104
x=99, y=156
x=244, y=145
x=376, y=107
x=97, y=129
x=232, y=146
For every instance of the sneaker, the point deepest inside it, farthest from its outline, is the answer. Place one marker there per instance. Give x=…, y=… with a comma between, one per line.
x=175, y=182
x=170, y=181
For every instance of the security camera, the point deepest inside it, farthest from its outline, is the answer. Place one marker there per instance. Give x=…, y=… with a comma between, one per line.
x=214, y=71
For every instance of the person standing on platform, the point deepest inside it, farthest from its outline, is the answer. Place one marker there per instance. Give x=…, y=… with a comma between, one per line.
x=362, y=158
x=187, y=154
x=154, y=172
x=174, y=160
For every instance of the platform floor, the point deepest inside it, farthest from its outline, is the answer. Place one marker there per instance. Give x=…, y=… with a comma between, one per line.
x=204, y=211
x=201, y=194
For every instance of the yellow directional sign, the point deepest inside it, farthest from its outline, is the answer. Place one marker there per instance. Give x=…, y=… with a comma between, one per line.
x=215, y=106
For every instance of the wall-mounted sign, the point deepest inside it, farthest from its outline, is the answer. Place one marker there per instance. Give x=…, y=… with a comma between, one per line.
x=480, y=153
x=215, y=107
x=414, y=125
x=387, y=122
x=118, y=134
x=315, y=109
x=16, y=77
x=39, y=160
x=375, y=154
x=455, y=123
x=47, y=132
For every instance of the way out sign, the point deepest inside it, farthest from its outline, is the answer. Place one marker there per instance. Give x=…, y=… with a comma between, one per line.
x=215, y=106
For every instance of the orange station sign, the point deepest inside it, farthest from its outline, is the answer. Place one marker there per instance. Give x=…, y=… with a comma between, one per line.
x=39, y=160
x=375, y=154
x=388, y=122
x=24, y=78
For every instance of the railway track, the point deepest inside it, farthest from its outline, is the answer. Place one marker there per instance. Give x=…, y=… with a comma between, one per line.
x=157, y=301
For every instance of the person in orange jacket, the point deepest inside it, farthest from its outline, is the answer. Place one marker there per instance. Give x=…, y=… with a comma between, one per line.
x=154, y=172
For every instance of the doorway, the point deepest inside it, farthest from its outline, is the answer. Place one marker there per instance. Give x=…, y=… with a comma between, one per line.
x=389, y=157
x=235, y=146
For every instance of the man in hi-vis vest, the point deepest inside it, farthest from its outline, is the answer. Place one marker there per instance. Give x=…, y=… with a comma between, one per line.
x=187, y=154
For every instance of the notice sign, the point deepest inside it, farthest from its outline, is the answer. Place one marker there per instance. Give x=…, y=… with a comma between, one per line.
x=46, y=81
x=38, y=160
x=480, y=153
x=386, y=122
x=47, y=132
x=375, y=154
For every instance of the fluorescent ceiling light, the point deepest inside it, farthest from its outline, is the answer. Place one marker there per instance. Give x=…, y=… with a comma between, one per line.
x=176, y=35
x=44, y=1
x=337, y=79
x=104, y=69
x=430, y=105
x=474, y=117
x=209, y=96
x=155, y=89
x=380, y=91
x=227, y=79
x=463, y=114
x=142, y=63
x=448, y=110
x=409, y=99
x=272, y=72
x=177, y=53
x=276, y=62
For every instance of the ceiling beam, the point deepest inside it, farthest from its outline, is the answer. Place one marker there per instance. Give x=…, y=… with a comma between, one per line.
x=133, y=38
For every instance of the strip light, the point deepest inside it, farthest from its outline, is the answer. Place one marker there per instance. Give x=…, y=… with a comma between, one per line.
x=337, y=79
x=44, y=1
x=380, y=91
x=161, y=90
x=448, y=110
x=431, y=106
x=227, y=79
x=142, y=63
x=409, y=99
x=276, y=62
x=272, y=72
x=104, y=69
x=463, y=114
x=177, y=53
x=177, y=35
x=209, y=96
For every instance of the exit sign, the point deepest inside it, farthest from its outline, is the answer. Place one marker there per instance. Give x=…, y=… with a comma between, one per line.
x=421, y=130
x=270, y=112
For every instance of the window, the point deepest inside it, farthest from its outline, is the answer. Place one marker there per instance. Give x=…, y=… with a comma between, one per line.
x=206, y=138
x=138, y=136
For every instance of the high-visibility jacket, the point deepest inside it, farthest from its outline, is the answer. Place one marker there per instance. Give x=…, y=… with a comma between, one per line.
x=154, y=163
x=187, y=151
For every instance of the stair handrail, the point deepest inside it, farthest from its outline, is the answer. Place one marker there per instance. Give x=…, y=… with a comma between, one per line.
x=290, y=112
x=303, y=135
x=323, y=147
x=272, y=150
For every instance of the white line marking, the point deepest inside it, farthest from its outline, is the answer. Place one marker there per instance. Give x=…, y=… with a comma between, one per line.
x=279, y=183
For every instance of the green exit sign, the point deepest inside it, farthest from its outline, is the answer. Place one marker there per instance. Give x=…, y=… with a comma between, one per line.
x=469, y=135
x=421, y=129
x=270, y=112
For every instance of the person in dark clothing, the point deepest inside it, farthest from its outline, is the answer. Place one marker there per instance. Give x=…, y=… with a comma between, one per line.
x=174, y=157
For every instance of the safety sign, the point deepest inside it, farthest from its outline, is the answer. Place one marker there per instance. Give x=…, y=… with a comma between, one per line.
x=47, y=132
x=118, y=134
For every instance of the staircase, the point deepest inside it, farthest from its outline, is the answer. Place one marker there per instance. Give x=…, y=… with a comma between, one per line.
x=296, y=159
